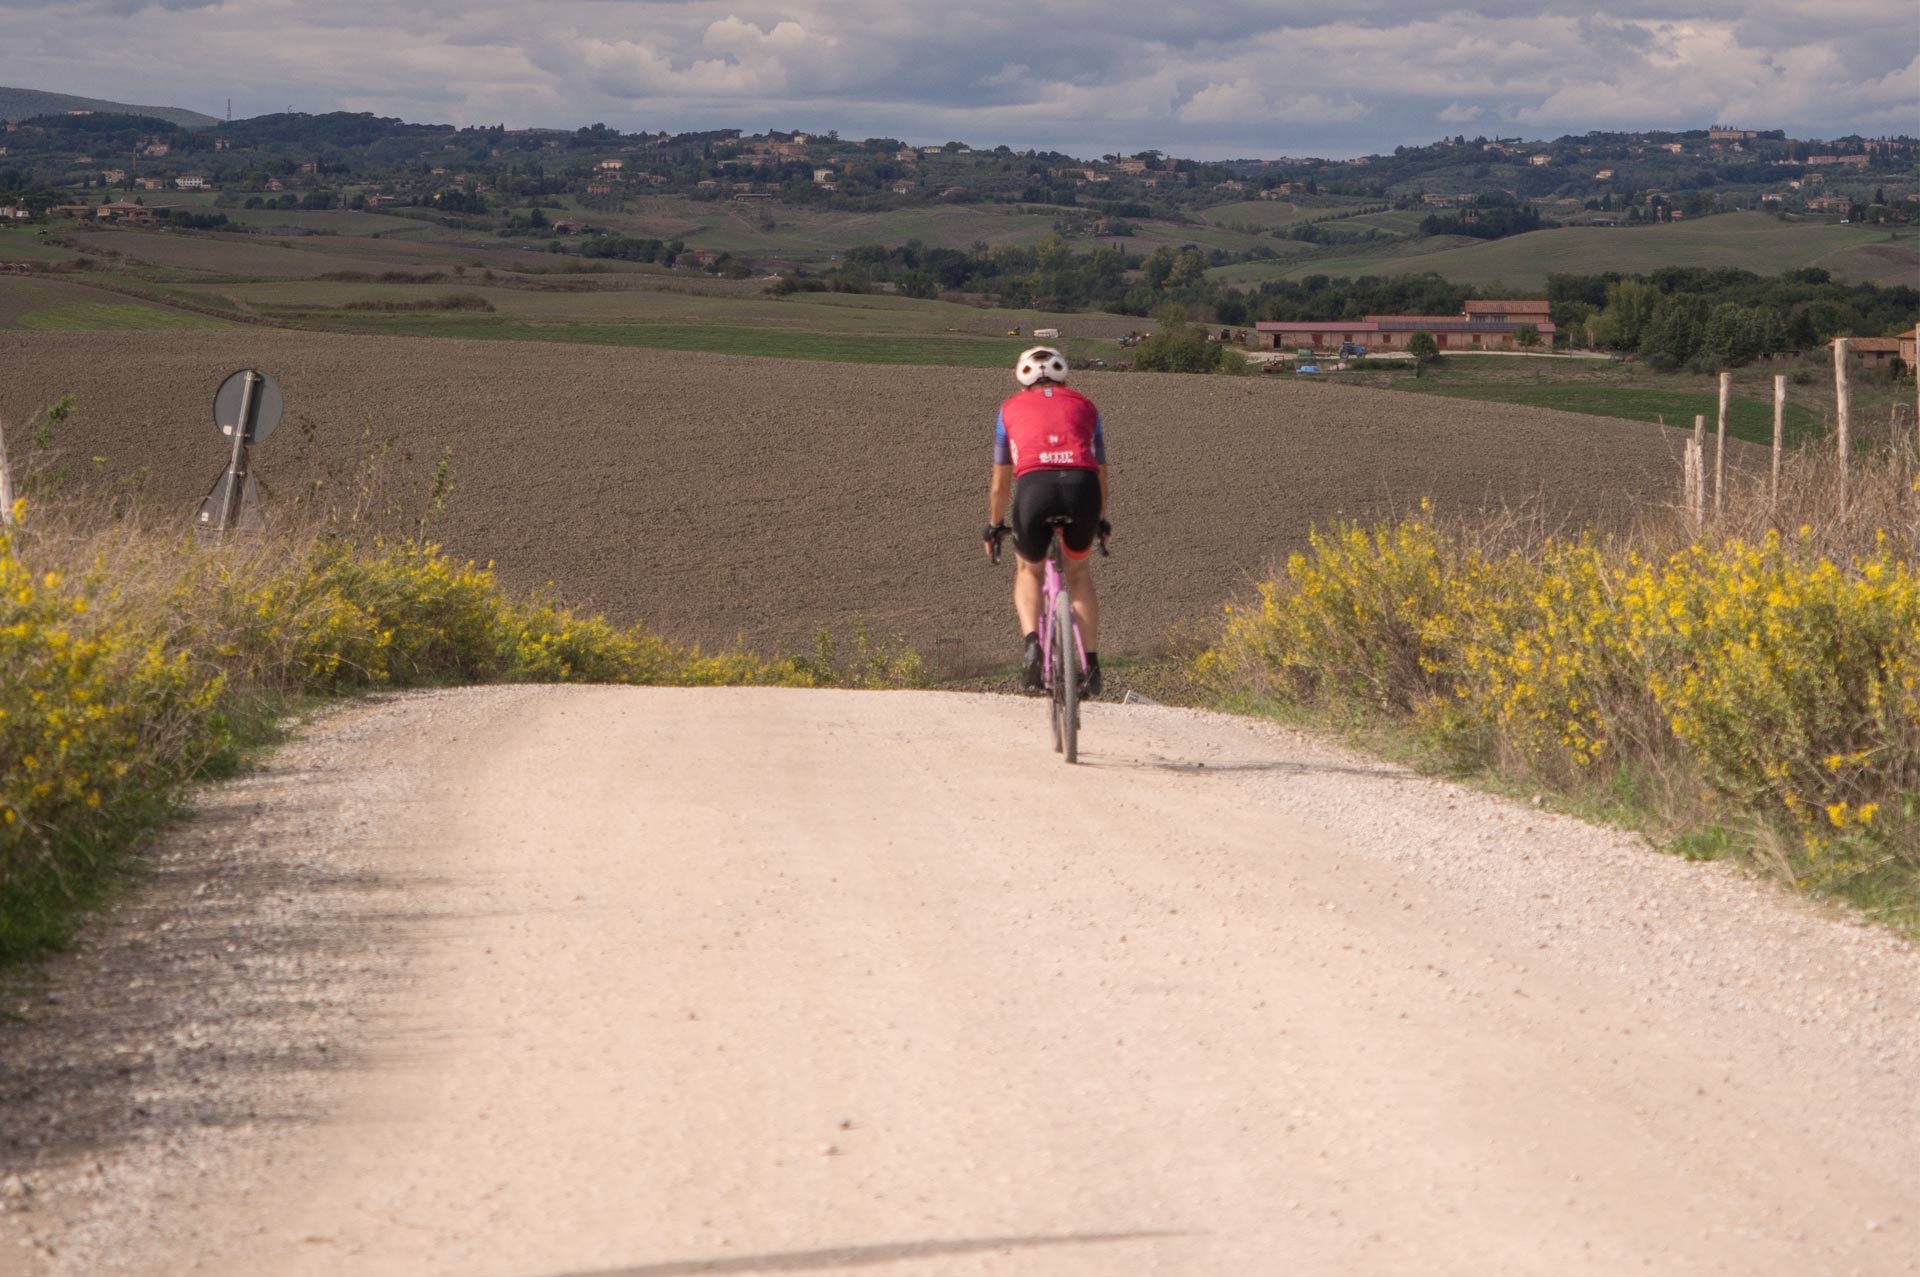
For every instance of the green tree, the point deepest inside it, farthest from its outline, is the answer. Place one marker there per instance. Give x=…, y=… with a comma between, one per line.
x=1423, y=347
x=1672, y=336
x=1630, y=306
x=1177, y=345
x=917, y=283
x=1527, y=335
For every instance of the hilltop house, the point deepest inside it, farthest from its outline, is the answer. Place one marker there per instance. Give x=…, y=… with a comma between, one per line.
x=1486, y=325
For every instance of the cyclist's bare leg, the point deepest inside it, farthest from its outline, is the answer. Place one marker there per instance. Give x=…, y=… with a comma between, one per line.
x=1086, y=601
x=1029, y=582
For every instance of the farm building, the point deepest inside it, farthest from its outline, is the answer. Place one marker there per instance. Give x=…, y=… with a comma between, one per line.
x=1492, y=328
x=1875, y=352
x=1908, y=354
x=125, y=211
x=1510, y=312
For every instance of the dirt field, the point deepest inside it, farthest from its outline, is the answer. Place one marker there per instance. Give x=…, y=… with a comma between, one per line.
x=763, y=499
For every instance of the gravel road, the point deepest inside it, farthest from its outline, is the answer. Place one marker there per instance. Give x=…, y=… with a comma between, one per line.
x=595, y=982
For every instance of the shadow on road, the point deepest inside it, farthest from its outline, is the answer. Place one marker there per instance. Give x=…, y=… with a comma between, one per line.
x=210, y=997
x=804, y=1261
x=1275, y=767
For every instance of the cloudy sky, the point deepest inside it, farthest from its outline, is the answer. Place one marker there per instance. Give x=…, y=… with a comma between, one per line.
x=1214, y=79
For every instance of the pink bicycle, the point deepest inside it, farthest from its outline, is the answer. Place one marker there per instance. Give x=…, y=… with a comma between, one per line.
x=1063, y=677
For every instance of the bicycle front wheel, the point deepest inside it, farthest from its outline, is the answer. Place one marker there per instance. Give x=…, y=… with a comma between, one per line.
x=1066, y=678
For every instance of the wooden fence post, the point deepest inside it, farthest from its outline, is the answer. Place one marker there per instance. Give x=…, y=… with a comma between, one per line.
x=1697, y=450
x=1842, y=411
x=6, y=481
x=1779, y=428
x=1720, y=441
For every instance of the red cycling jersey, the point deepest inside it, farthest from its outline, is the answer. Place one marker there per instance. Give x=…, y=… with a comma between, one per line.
x=1049, y=428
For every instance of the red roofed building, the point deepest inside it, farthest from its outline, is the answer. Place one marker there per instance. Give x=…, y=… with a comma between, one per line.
x=1489, y=325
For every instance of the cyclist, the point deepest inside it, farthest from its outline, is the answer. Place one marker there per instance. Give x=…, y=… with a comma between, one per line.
x=1049, y=438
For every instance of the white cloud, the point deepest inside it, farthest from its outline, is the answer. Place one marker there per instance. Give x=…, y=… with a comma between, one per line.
x=1243, y=102
x=1206, y=76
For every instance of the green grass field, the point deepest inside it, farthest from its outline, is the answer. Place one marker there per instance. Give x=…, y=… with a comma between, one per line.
x=94, y=317
x=1639, y=393
x=1266, y=214
x=1749, y=419
x=22, y=244
x=1352, y=261
x=972, y=352
x=1749, y=241
x=814, y=237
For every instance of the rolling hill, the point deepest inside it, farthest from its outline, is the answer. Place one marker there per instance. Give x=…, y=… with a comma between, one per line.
x=1752, y=241
x=24, y=104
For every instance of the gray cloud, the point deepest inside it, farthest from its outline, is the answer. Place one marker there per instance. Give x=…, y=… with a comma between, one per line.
x=1227, y=77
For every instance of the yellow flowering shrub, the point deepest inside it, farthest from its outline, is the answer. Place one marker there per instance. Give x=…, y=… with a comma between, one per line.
x=89, y=710
x=1789, y=684
x=1354, y=620
x=334, y=617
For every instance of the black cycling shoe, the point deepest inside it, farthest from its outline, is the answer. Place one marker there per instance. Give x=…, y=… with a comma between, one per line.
x=1094, y=682
x=1031, y=679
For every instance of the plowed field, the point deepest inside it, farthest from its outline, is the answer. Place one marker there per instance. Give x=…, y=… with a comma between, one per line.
x=763, y=499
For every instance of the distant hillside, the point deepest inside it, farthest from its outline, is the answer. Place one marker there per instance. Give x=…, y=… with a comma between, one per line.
x=24, y=104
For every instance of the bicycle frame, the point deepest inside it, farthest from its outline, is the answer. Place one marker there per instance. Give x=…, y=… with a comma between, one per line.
x=1053, y=585
x=1056, y=614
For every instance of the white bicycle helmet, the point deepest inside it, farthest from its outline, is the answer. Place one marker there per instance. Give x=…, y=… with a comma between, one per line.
x=1042, y=363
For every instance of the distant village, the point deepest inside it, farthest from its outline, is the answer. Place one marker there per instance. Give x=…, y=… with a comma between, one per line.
x=110, y=169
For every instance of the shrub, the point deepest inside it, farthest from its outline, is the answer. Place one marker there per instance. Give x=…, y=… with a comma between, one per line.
x=1178, y=345
x=1768, y=672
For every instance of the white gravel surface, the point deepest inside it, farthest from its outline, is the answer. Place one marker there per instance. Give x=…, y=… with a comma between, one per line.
x=593, y=982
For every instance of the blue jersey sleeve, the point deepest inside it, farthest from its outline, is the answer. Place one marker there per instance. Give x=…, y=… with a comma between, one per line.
x=1099, y=442
x=1002, y=452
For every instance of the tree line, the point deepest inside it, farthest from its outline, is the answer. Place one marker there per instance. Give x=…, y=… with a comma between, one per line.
x=1708, y=320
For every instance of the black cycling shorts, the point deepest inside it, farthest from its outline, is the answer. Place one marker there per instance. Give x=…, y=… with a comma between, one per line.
x=1043, y=494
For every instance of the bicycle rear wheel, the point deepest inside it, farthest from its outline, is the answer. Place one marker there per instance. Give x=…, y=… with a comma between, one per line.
x=1066, y=679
